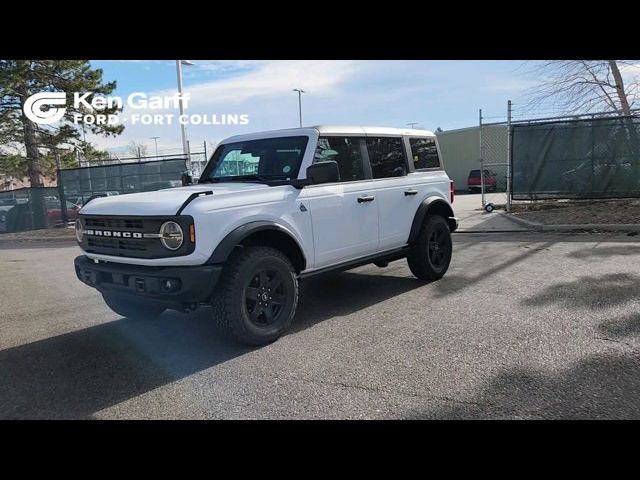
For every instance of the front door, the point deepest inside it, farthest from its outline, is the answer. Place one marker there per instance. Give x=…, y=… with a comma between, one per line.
x=344, y=215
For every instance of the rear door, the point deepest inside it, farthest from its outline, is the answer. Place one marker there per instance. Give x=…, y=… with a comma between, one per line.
x=406, y=170
x=394, y=191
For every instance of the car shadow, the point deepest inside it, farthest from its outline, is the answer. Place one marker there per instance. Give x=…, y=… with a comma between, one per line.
x=79, y=373
x=339, y=294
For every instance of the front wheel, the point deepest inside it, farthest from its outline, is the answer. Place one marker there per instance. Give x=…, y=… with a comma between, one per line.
x=430, y=255
x=133, y=308
x=256, y=298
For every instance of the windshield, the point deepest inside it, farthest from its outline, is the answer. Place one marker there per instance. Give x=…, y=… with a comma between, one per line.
x=267, y=159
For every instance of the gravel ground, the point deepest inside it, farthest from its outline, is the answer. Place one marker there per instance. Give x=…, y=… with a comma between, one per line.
x=51, y=233
x=524, y=325
x=613, y=211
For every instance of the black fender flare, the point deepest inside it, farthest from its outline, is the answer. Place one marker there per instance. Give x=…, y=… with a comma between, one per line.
x=233, y=238
x=427, y=205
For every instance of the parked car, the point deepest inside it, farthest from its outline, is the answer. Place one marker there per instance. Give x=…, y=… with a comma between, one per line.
x=474, y=182
x=5, y=206
x=54, y=212
x=320, y=199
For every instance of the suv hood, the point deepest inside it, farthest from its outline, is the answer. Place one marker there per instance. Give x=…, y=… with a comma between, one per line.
x=160, y=202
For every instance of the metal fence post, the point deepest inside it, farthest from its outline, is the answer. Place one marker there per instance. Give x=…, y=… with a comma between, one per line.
x=64, y=215
x=481, y=158
x=189, y=164
x=508, y=155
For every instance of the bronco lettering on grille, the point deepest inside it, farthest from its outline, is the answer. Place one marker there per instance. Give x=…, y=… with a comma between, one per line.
x=113, y=233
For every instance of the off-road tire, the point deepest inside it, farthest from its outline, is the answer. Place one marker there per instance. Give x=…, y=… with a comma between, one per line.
x=421, y=259
x=132, y=308
x=235, y=313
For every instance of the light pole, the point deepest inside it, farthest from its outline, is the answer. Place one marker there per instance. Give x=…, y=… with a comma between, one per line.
x=411, y=124
x=183, y=130
x=300, y=92
x=155, y=139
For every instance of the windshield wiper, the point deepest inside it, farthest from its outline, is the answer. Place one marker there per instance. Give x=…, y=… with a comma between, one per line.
x=209, y=180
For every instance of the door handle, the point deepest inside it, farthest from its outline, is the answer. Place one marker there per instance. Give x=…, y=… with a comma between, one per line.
x=365, y=199
x=410, y=192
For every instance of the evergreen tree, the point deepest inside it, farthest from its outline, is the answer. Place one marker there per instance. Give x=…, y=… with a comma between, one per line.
x=19, y=79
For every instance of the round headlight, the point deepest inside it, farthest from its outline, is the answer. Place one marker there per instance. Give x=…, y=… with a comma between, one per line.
x=171, y=235
x=79, y=231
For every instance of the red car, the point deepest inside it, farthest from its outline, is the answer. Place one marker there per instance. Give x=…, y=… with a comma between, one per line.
x=474, y=181
x=54, y=212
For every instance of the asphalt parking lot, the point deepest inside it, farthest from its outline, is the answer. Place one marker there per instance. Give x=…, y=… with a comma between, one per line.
x=524, y=325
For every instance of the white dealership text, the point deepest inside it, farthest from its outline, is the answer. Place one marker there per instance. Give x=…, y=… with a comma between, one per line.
x=136, y=101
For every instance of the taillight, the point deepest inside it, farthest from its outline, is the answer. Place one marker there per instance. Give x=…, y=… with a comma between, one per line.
x=451, y=190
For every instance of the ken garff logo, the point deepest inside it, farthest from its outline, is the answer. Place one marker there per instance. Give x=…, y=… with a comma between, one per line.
x=33, y=107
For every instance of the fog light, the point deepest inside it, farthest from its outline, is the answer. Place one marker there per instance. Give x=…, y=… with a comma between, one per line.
x=169, y=285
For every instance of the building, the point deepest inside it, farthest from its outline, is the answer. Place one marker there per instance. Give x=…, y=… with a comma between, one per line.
x=460, y=150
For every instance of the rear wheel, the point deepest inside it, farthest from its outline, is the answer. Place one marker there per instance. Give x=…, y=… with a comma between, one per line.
x=133, y=308
x=430, y=255
x=257, y=296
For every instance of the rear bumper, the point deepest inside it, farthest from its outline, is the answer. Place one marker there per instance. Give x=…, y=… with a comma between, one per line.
x=187, y=284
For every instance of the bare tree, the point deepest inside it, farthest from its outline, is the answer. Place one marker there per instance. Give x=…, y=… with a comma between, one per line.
x=137, y=149
x=583, y=86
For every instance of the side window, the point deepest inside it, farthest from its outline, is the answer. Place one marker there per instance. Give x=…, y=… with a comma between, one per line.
x=346, y=152
x=386, y=156
x=424, y=153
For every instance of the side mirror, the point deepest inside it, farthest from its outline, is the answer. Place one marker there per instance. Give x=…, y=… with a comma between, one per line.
x=323, y=172
x=186, y=179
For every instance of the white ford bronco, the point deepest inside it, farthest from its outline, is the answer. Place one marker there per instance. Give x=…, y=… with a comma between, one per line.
x=269, y=210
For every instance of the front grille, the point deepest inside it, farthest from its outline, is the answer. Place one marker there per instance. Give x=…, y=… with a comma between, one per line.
x=116, y=244
x=125, y=223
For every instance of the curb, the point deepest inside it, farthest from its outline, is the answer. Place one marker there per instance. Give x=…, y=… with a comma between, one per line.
x=608, y=227
x=490, y=231
x=525, y=223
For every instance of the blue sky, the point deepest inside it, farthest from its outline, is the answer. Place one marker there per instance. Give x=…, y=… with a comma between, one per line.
x=444, y=94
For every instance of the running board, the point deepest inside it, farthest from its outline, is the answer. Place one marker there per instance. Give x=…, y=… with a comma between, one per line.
x=388, y=256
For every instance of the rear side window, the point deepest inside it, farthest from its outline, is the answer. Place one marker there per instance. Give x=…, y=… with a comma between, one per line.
x=386, y=156
x=346, y=151
x=424, y=153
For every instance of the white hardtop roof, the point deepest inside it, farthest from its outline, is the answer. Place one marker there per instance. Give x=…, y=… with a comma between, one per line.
x=331, y=130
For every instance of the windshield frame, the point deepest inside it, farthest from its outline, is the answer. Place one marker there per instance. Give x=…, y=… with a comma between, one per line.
x=216, y=159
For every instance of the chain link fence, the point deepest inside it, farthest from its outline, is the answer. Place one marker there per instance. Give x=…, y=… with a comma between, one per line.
x=588, y=156
x=77, y=185
x=48, y=207
x=29, y=209
x=584, y=158
x=494, y=173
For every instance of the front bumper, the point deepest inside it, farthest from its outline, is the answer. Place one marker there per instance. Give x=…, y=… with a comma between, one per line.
x=188, y=285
